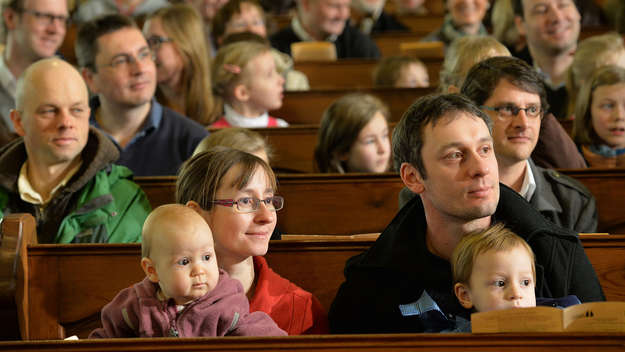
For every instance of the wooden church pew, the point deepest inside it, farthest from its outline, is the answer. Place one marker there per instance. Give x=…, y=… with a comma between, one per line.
x=68, y=284
x=364, y=203
x=353, y=73
x=307, y=107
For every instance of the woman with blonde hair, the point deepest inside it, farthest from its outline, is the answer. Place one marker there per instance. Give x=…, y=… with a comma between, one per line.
x=354, y=136
x=238, y=138
x=176, y=35
x=592, y=53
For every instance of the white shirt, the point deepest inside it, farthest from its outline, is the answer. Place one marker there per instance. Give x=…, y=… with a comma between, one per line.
x=238, y=120
x=529, y=183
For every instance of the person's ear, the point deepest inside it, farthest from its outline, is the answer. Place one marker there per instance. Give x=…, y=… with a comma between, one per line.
x=16, y=118
x=464, y=295
x=88, y=75
x=10, y=17
x=520, y=25
x=148, y=268
x=241, y=93
x=453, y=89
x=411, y=178
x=198, y=209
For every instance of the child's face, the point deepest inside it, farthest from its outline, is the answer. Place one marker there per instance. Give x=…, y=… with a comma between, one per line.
x=183, y=256
x=413, y=76
x=608, y=114
x=265, y=85
x=501, y=280
x=249, y=20
x=371, y=152
x=241, y=235
x=169, y=62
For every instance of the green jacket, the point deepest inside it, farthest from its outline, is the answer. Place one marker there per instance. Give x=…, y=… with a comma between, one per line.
x=101, y=204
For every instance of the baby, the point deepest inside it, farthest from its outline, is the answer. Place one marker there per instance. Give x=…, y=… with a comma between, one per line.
x=493, y=269
x=184, y=293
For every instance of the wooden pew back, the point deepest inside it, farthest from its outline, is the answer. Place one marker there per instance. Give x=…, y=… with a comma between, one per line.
x=364, y=203
x=307, y=107
x=69, y=284
x=353, y=73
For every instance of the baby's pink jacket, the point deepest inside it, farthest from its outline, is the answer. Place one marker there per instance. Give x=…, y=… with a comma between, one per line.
x=137, y=312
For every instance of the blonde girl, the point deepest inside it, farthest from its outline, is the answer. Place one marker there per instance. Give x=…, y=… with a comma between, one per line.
x=247, y=85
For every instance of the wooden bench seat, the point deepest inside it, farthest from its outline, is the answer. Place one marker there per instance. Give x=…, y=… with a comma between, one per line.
x=553, y=342
x=332, y=204
x=307, y=107
x=353, y=73
x=67, y=285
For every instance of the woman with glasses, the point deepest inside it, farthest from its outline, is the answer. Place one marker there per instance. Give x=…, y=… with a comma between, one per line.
x=176, y=36
x=235, y=193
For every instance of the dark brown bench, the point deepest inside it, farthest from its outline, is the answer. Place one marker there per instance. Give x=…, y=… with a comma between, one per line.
x=364, y=203
x=353, y=73
x=307, y=107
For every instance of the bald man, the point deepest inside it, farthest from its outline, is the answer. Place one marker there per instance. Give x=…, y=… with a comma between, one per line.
x=60, y=170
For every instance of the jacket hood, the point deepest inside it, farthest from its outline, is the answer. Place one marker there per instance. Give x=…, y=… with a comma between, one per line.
x=97, y=154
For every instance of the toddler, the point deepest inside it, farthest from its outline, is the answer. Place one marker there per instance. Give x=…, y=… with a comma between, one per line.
x=247, y=82
x=599, y=126
x=401, y=72
x=184, y=293
x=493, y=269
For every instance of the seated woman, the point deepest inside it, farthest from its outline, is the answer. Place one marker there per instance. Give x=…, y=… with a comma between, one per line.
x=591, y=53
x=176, y=36
x=354, y=136
x=400, y=72
x=462, y=19
x=599, y=126
x=234, y=192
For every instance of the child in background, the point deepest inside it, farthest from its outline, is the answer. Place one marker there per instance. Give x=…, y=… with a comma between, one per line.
x=592, y=53
x=599, y=125
x=401, y=72
x=237, y=138
x=246, y=80
x=239, y=16
x=184, y=293
x=493, y=269
x=354, y=136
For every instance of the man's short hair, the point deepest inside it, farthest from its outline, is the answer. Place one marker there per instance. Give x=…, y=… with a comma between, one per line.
x=89, y=32
x=408, y=136
x=15, y=5
x=517, y=6
x=484, y=77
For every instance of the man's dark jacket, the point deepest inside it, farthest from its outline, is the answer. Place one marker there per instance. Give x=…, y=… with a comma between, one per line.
x=398, y=268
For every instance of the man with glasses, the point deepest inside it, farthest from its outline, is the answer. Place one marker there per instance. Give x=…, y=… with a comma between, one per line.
x=60, y=170
x=34, y=30
x=514, y=97
x=444, y=150
x=119, y=68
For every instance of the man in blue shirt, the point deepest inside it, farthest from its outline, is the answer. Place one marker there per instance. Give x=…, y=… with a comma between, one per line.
x=119, y=67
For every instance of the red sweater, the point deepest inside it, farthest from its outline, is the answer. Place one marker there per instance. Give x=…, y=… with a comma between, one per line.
x=295, y=310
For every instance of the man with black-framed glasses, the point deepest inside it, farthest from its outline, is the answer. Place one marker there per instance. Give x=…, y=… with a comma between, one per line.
x=118, y=66
x=34, y=30
x=513, y=95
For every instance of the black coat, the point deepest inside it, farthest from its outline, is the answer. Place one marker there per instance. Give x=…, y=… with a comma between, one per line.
x=398, y=268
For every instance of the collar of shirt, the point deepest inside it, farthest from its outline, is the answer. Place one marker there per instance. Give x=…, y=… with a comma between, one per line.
x=529, y=183
x=236, y=119
x=6, y=78
x=151, y=123
x=605, y=150
x=301, y=33
x=546, y=78
x=28, y=192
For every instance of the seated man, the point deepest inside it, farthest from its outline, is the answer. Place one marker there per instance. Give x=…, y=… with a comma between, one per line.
x=319, y=20
x=443, y=148
x=119, y=67
x=502, y=86
x=61, y=171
